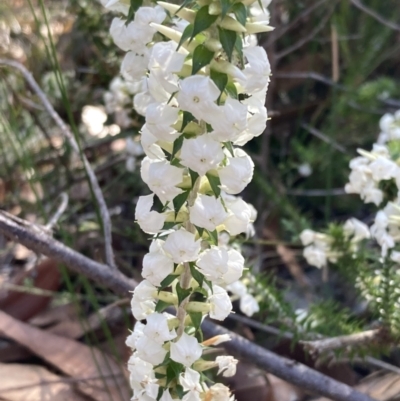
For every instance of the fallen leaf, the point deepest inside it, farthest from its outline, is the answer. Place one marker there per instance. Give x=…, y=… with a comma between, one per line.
x=23, y=305
x=20, y=382
x=72, y=358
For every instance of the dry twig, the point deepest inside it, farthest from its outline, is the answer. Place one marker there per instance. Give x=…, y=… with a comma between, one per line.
x=105, y=216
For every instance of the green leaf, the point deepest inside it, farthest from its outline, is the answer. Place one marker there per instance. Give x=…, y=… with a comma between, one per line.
x=187, y=118
x=215, y=184
x=201, y=57
x=220, y=79
x=200, y=230
x=186, y=34
x=161, y=306
x=231, y=90
x=184, y=4
x=199, y=336
x=225, y=7
x=229, y=146
x=160, y=393
x=239, y=49
x=180, y=391
x=196, y=318
x=174, y=369
x=199, y=277
x=202, y=21
x=227, y=39
x=177, y=145
x=240, y=11
x=193, y=175
x=213, y=236
x=168, y=280
x=180, y=200
x=134, y=6
x=182, y=293
x=202, y=291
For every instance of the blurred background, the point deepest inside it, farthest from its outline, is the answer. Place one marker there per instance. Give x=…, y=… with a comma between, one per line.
x=335, y=72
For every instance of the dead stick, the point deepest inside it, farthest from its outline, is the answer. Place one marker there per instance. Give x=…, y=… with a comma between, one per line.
x=105, y=216
x=284, y=368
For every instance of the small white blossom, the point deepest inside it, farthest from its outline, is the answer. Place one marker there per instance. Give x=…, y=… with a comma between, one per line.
x=156, y=267
x=249, y=305
x=159, y=120
x=207, y=212
x=182, y=246
x=135, y=335
x=221, y=305
x=157, y=328
x=186, y=350
x=150, y=222
x=226, y=365
x=315, y=256
x=201, y=154
x=357, y=229
x=150, y=350
x=190, y=381
x=197, y=96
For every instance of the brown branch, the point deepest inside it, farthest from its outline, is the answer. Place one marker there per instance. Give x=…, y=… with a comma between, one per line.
x=375, y=15
x=284, y=368
x=318, y=347
x=105, y=216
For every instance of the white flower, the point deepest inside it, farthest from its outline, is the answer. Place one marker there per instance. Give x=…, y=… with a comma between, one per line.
x=162, y=178
x=258, y=69
x=94, y=117
x=186, y=350
x=150, y=350
x=213, y=263
x=135, y=335
x=159, y=120
x=383, y=169
x=156, y=267
x=144, y=16
x=220, y=303
x=130, y=37
x=230, y=120
x=157, y=328
x=142, y=100
x=237, y=174
x=197, y=96
x=237, y=288
x=148, y=141
x=134, y=65
x=239, y=217
x=190, y=381
x=249, y=305
x=357, y=229
x=207, y=212
x=307, y=237
x=395, y=256
x=201, y=154
x=182, y=246
x=371, y=194
x=151, y=222
x=219, y=392
x=143, y=301
x=139, y=369
x=235, y=267
x=304, y=169
x=315, y=256
x=226, y=365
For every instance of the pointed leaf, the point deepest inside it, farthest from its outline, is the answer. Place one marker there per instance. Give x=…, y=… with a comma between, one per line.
x=240, y=11
x=201, y=57
x=168, y=280
x=202, y=21
x=220, y=79
x=196, y=318
x=186, y=34
x=199, y=277
x=231, y=90
x=177, y=145
x=227, y=39
x=225, y=7
x=215, y=184
x=161, y=306
x=214, y=237
x=180, y=200
x=229, y=146
x=187, y=118
x=182, y=293
x=193, y=175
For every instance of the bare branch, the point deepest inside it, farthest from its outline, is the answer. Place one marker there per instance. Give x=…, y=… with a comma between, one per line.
x=61, y=209
x=375, y=15
x=318, y=347
x=105, y=216
x=323, y=137
x=284, y=368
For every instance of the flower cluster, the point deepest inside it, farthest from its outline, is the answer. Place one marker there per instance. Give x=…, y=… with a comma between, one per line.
x=375, y=176
x=202, y=93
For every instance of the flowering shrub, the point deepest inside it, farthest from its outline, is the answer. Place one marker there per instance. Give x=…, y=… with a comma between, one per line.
x=375, y=176
x=202, y=94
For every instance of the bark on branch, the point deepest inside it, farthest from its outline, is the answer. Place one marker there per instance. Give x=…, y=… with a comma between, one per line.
x=284, y=368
